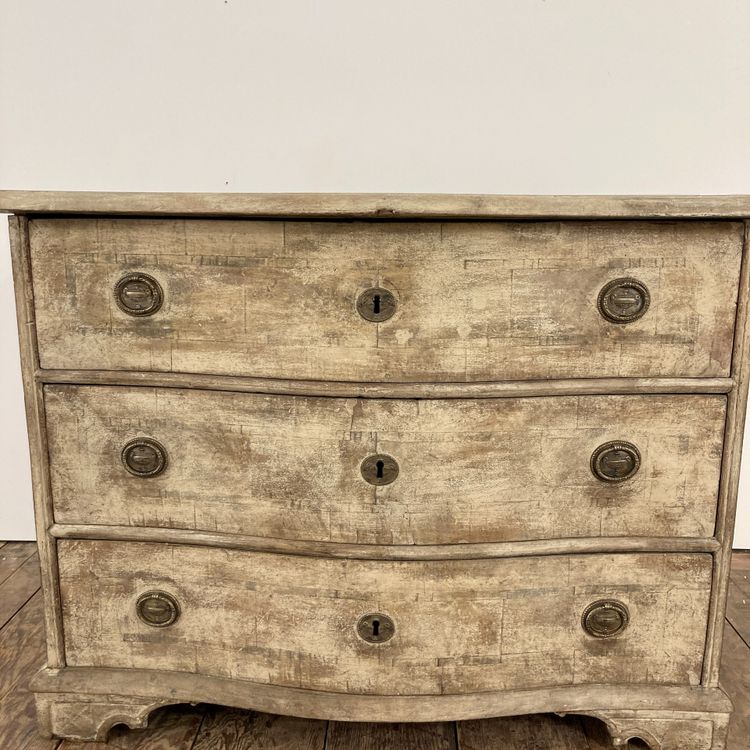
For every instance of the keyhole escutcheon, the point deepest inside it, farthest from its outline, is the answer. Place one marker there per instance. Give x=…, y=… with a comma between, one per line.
x=376, y=628
x=379, y=469
x=376, y=304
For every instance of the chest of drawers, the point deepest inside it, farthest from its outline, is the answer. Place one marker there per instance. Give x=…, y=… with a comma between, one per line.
x=384, y=458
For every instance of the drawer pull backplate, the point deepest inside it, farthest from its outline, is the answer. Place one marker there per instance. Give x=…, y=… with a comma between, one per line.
x=157, y=609
x=138, y=294
x=624, y=300
x=144, y=457
x=605, y=618
x=615, y=461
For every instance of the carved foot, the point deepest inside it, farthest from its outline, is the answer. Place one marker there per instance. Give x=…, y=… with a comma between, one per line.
x=667, y=730
x=90, y=717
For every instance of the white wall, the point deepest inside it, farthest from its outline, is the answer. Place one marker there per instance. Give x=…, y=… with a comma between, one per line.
x=497, y=96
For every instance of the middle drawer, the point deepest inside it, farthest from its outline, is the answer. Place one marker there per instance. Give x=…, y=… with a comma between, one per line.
x=381, y=471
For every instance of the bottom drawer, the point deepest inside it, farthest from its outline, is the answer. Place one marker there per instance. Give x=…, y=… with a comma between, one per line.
x=359, y=626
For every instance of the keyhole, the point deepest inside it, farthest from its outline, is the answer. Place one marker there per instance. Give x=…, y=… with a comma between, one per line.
x=379, y=469
x=376, y=304
x=375, y=628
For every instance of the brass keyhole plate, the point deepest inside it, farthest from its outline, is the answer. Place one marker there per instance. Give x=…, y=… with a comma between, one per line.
x=376, y=304
x=138, y=294
x=376, y=628
x=144, y=457
x=615, y=461
x=605, y=618
x=379, y=469
x=624, y=300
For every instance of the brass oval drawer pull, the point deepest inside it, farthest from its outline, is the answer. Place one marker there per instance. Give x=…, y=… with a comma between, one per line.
x=605, y=618
x=138, y=294
x=157, y=609
x=144, y=457
x=615, y=461
x=379, y=469
x=624, y=300
x=376, y=628
x=376, y=305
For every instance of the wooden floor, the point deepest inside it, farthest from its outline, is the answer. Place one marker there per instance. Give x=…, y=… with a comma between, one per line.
x=214, y=728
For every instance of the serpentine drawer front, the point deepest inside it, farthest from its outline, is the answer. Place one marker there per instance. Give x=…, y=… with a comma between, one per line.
x=384, y=458
x=458, y=626
x=381, y=302
x=386, y=471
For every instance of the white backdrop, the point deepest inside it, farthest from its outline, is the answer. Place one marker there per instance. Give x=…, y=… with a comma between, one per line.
x=495, y=96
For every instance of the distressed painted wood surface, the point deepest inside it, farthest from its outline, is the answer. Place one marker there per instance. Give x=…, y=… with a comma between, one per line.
x=475, y=301
x=469, y=470
x=35, y=422
x=377, y=205
x=461, y=626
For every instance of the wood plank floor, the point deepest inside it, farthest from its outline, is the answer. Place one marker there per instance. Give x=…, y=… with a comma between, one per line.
x=214, y=728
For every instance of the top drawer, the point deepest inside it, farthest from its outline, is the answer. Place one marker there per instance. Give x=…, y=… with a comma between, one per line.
x=470, y=301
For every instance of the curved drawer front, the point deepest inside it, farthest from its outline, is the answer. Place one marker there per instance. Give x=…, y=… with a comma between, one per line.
x=460, y=626
x=391, y=301
x=452, y=470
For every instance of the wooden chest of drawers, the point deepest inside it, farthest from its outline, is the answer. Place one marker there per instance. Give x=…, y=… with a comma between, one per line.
x=395, y=458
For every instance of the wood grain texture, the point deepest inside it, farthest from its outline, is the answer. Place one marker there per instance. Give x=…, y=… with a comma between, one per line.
x=19, y=729
x=377, y=205
x=18, y=588
x=13, y=555
x=232, y=729
x=740, y=572
x=19, y=646
x=522, y=733
x=475, y=301
x=740, y=566
x=471, y=471
x=344, y=736
x=738, y=611
x=291, y=621
x=735, y=678
x=22, y=648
